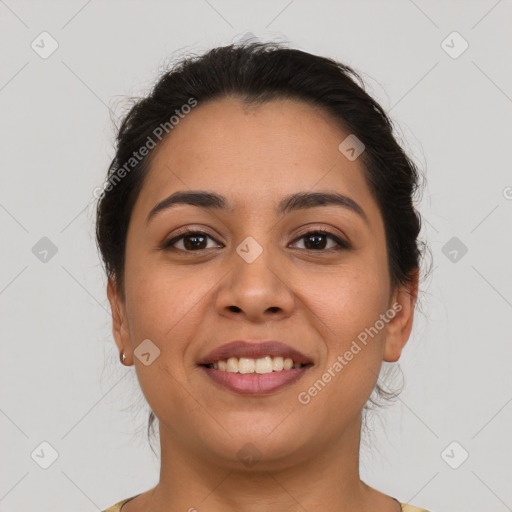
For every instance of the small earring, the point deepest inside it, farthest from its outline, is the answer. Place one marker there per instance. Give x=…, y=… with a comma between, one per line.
x=122, y=357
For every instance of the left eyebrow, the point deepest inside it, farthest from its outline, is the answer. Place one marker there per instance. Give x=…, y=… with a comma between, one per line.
x=303, y=200
x=297, y=201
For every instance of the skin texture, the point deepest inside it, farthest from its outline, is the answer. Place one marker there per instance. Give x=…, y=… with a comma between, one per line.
x=316, y=300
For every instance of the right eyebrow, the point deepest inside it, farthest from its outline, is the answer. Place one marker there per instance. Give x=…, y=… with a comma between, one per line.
x=201, y=199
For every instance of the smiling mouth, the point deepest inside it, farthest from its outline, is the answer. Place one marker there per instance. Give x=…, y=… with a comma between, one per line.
x=261, y=376
x=254, y=367
x=260, y=366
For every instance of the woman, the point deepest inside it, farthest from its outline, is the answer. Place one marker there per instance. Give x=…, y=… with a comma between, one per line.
x=261, y=246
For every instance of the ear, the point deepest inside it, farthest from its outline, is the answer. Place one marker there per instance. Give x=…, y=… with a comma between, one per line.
x=119, y=320
x=399, y=328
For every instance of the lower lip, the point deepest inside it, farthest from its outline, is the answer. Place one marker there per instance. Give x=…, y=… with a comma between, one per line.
x=255, y=383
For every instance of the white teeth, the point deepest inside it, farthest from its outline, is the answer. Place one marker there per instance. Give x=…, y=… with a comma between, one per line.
x=232, y=365
x=287, y=364
x=277, y=364
x=261, y=365
x=264, y=365
x=246, y=365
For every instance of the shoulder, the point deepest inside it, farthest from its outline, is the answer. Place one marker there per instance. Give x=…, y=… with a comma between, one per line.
x=117, y=506
x=411, y=508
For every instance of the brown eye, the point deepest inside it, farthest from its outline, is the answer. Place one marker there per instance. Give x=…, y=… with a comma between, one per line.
x=318, y=241
x=190, y=241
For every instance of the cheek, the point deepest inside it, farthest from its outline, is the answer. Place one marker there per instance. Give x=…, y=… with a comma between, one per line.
x=165, y=306
x=164, y=303
x=343, y=308
x=344, y=300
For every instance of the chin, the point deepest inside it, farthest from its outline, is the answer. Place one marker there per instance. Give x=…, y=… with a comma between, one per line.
x=261, y=446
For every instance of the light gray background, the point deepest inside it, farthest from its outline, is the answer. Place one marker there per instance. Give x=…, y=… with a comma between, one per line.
x=61, y=379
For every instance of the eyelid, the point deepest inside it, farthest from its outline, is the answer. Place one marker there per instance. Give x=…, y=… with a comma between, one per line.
x=326, y=228
x=182, y=233
x=341, y=242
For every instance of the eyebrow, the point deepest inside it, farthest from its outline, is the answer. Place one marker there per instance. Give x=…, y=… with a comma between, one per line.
x=293, y=202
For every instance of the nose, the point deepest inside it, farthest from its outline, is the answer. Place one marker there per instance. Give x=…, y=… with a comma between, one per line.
x=258, y=291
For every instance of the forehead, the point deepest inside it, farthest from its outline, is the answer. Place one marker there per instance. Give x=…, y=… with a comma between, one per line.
x=253, y=155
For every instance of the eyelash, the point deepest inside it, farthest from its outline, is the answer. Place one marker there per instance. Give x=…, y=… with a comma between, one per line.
x=341, y=244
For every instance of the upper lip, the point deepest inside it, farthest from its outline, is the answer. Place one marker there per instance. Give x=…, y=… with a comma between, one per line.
x=254, y=350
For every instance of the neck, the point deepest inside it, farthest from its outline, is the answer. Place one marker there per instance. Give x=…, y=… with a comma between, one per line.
x=326, y=479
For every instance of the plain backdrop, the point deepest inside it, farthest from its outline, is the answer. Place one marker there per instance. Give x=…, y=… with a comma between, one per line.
x=442, y=71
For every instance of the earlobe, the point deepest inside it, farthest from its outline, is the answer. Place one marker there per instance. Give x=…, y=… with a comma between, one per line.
x=119, y=325
x=400, y=326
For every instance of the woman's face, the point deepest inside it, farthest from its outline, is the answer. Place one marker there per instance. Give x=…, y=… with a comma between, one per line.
x=257, y=271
